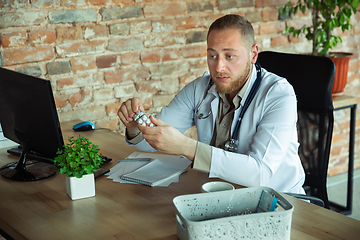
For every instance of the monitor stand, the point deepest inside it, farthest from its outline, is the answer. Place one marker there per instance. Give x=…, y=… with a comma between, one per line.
x=30, y=170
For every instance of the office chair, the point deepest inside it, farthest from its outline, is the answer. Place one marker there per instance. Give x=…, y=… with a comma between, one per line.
x=311, y=78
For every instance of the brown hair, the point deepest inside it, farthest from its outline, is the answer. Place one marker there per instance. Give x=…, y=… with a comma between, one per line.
x=233, y=21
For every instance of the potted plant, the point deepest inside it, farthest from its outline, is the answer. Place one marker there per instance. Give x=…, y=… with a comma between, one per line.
x=326, y=15
x=78, y=160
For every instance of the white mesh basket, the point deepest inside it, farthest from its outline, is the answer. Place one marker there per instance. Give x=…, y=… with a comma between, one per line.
x=231, y=215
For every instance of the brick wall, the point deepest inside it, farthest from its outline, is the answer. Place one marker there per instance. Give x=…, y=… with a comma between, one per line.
x=98, y=53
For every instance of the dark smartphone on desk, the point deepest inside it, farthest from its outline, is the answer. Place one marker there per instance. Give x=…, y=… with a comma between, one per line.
x=100, y=172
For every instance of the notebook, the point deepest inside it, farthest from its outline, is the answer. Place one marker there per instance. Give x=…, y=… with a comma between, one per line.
x=156, y=172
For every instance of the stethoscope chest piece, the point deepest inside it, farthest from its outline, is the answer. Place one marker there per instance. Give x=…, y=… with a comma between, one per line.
x=231, y=145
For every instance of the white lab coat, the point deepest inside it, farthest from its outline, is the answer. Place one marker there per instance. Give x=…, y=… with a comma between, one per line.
x=268, y=146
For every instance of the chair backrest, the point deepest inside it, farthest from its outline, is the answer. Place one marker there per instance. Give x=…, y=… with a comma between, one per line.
x=311, y=78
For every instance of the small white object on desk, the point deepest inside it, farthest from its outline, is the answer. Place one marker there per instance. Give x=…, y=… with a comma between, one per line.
x=216, y=187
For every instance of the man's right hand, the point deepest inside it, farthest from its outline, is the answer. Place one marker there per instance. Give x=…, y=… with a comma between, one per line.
x=126, y=113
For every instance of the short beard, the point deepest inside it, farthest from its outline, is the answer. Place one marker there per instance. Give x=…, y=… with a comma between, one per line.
x=235, y=84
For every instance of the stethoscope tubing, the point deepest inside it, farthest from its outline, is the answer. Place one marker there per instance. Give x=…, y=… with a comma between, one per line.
x=248, y=100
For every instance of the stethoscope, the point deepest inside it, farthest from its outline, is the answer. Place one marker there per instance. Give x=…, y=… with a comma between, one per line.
x=232, y=144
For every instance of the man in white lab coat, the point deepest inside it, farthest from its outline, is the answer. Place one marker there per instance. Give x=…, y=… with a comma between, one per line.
x=261, y=149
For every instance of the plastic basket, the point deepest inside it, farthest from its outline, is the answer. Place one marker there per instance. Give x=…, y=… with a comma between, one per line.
x=231, y=215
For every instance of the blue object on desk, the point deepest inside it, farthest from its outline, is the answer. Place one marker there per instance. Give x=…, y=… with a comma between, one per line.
x=84, y=126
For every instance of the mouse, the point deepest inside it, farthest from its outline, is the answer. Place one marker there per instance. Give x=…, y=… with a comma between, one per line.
x=84, y=126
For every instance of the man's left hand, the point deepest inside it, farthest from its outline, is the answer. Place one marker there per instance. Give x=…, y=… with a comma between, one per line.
x=167, y=139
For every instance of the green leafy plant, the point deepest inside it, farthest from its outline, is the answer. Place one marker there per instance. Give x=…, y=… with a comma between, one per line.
x=326, y=16
x=79, y=157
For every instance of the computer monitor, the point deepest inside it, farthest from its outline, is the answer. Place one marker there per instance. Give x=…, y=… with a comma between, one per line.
x=28, y=116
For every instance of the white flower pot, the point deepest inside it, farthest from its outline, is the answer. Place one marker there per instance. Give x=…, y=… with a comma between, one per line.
x=78, y=188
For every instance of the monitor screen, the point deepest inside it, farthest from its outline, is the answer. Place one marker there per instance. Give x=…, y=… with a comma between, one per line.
x=28, y=116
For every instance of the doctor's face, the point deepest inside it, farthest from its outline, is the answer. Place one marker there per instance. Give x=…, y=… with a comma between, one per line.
x=229, y=60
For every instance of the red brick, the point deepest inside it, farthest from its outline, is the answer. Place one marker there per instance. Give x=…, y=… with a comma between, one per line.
x=43, y=3
x=79, y=48
x=82, y=63
x=148, y=103
x=354, y=65
x=140, y=72
x=124, y=74
x=162, y=40
x=140, y=27
x=146, y=86
x=61, y=83
x=270, y=15
x=128, y=43
x=85, y=79
x=113, y=76
x=130, y=58
x=210, y=19
x=271, y=27
x=167, y=25
x=77, y=97
x=186, y=79
x=123, y=1
x=228, y=4
x=106, y=61
x=70, y=2
x=200, y=64
x=42, y=36
x=279, y=41
x=97, y=2
x=340, y=33
x=357, y=16
x=354, y=77
x=150, y=56
x=169, y=9
x=293, y=39
x=335, y=152
x=27, y=55
x=95, y=31
x=69, y=33
x=270, y=3
x=256, y=30
x=299, y=23
x=112, y=109
x=253, y=16
x=189, y=23
x=15, y=39
x=335, y=170
x=338, y=137
x=194, y=51
x=170, y=54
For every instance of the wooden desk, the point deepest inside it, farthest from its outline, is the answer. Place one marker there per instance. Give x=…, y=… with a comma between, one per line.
x=42, y=210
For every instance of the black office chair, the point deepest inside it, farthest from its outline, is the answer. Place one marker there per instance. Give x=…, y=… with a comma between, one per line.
x=311, y=78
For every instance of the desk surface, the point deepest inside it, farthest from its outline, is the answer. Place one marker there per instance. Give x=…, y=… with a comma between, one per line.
x=42, y=210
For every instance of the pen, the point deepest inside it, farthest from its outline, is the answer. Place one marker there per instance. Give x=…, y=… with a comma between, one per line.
x=136, y=159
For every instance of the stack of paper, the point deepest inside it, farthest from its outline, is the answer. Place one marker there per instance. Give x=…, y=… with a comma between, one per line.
x=164, y=170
